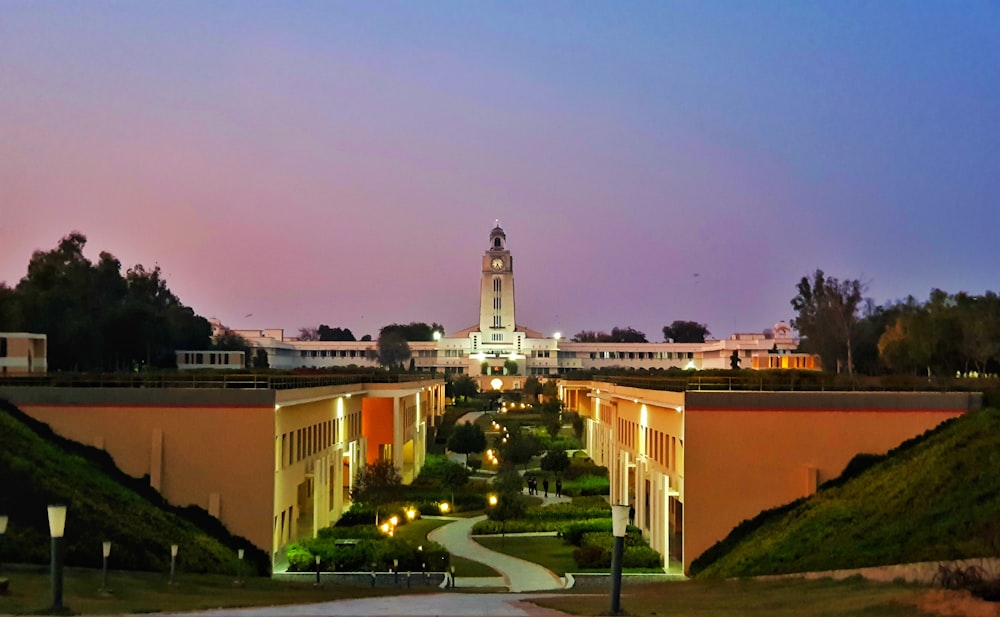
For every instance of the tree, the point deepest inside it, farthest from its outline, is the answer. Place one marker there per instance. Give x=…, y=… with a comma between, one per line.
x=510, y=367
x=484, y=368
x=376, y=484
x=551, y=411
x=260, y=359
x=556, y=461
x=532, y=387
x=393, y=350
x=734, y=360
x=326, y=333
x=96, y=318
x=463, y=387
x=520, y=448
x=627, y=335
x=414, y=331
x=685, y=332
x=366, y=338
x=308, y=334
x=828, y=317
x=467, y=438
x=508, y=484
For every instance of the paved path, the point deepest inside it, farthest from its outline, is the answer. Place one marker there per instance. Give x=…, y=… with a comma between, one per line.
x=450, y=604
x=518, y=574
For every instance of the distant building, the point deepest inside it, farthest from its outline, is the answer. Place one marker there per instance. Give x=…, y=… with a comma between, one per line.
x=497, y=339
x=23, y=353
x=211, y=359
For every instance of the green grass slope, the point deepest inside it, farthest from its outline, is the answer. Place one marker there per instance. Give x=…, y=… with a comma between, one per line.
x=934, y=497
x=38, y=468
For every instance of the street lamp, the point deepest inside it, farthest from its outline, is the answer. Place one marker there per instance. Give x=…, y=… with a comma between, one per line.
x=57, y=526
x=173, y=562
x=619, y=522
x=105, y=553
x=3, y=530
x=240, y=553
x=395, y=571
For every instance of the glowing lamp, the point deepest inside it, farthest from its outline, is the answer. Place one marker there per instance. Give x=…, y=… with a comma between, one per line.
x=57, y=521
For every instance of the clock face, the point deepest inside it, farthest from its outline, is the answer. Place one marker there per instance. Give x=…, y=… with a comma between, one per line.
x=497, y=264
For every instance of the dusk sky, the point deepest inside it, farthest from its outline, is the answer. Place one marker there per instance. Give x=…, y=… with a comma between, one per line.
x=290, y=164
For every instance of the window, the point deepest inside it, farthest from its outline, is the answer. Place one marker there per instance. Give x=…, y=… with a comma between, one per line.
x=3, y=347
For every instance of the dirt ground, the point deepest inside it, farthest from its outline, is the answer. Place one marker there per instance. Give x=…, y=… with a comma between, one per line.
x=956, y=604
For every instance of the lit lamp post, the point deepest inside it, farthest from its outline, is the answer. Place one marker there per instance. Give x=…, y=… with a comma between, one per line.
x=3, y=530
x=173, y=563
x=395, y=571
x=57, y=525
x=317, y=583
x=239, y=566
x=619, y=521
x=105, y=553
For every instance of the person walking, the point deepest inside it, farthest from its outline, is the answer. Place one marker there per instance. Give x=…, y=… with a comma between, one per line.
x=545, y=486
x=558, y=487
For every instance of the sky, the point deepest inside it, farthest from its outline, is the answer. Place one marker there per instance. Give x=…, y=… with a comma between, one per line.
x=288, y=164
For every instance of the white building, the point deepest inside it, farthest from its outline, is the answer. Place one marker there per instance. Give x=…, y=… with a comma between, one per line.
x=498, y=339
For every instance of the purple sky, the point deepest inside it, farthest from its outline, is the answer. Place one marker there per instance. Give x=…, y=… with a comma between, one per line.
x=343, y=163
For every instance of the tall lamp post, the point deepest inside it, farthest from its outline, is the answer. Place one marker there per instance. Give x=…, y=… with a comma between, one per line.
x=619, y=521
x=173, y=563
x=57, y=526
x=3, y=530
x=105, y=553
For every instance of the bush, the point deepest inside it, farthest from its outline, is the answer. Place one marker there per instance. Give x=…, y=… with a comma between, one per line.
x=586, y=486
x=584, y=467
x=574, y=532
x=591, y=557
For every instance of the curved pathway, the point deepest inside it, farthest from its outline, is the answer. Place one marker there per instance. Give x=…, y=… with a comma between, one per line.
x=518, y=574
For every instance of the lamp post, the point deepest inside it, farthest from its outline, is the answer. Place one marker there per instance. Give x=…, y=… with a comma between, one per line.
x=395, y=571
x=173, y=563
x=57, y=526
x=619, y=521
x=105, y=553
x=317, y=583
x=453, y=577
x=239, y=565
x=3, y=530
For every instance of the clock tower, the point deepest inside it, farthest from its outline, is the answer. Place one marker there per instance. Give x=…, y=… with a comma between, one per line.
x=496, y=292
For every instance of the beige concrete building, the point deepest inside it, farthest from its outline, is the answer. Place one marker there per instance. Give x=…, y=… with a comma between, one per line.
x=497, y=338
x=273, y=462
x=696, y=463
x=23, y=353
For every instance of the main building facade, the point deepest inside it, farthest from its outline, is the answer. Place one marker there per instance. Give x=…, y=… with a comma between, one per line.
x=489, y=347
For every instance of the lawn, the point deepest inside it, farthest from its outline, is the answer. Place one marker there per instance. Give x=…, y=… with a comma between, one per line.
x=416, y=531
x=749, y=598
x=143, y=592
x=548, y=551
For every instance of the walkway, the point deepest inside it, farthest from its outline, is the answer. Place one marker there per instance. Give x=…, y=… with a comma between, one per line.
x=431, y=605
x=518, y=574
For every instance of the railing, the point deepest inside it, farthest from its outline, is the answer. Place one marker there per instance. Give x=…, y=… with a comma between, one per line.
x=194, y=379
x=807, y=381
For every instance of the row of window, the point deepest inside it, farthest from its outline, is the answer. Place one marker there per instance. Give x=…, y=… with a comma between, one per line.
x=214, y=357
x=334, y=353
x=309, y=440
x=657, y=445
x=641, y=355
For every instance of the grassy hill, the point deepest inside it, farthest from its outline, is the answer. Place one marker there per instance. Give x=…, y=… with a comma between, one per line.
x=935, y=497
x=38, y=468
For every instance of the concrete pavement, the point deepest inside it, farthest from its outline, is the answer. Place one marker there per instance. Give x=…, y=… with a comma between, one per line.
x=450, y=604
x=518, y=574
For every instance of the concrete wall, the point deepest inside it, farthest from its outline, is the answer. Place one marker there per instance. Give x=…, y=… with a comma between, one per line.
x=197, y=447
x=750, y=451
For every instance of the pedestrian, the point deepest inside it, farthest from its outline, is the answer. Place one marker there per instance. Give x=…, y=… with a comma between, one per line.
x=558, y=487
x=631, y=514
x=545, y=486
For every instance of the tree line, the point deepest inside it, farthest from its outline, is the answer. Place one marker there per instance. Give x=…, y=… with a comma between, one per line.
x=96, y=317
x=680, y=331
x=948, y=334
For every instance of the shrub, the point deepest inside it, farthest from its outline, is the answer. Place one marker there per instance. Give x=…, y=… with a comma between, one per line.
x=574, y=532
x=592, y=557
